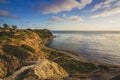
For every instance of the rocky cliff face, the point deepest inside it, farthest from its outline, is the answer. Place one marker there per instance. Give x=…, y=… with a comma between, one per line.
x=39, y=70
x=34, y=40
x=45, y=69
x=16, y=59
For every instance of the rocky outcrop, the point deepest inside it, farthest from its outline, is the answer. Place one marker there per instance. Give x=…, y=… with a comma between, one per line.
x=2, y=69
x=1, y=51
x=46, y=70
x=34, y=40
x=42, y=69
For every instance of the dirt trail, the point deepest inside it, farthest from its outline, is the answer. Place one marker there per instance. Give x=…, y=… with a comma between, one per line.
x=16, y=73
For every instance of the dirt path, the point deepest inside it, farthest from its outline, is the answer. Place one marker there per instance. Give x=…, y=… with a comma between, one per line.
x=14, y=75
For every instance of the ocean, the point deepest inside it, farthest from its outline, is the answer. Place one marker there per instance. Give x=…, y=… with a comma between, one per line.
x=102, y=46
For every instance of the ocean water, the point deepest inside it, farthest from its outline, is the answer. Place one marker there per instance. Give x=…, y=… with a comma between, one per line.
x=99, y=46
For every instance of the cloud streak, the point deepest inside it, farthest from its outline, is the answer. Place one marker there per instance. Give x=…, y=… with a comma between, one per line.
x=64, y=18
x=4, y=13
x=57, y=19
x=107, y=13
x=61, y=5
x=74, y=18
x=107, y=4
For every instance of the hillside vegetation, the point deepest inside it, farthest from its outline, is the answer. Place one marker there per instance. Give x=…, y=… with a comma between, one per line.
x=18, y=47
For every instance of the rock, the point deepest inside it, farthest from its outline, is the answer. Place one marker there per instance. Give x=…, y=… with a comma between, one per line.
x=46, y=70
x=116, y=77
x=3, y=71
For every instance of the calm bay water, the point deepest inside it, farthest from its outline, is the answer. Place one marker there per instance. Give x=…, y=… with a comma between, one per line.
x=98, y=46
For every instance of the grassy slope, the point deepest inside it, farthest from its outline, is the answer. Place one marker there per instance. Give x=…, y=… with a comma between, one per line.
x=71, y=65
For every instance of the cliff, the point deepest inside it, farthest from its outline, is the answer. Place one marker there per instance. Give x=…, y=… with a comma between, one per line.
x=20, y=51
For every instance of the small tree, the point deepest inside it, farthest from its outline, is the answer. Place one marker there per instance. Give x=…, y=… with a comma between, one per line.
x=14, y=28
x=6, y=27
x=0, y=29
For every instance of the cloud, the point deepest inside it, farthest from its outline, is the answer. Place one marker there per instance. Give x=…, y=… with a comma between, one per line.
x=107, y=13
x=64, y=18
x=57, y=19
x=4, y=13
x=107, y=4
x=61, y=5
x=111, y=21
x=75, y=18
x=4, y=2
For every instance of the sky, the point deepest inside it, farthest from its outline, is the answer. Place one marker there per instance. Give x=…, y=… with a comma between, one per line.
x=61, y=14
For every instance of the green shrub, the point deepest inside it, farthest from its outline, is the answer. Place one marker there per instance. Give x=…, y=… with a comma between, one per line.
x=104, y=67
x=69, y=64
x=4, y=37
x=9, y=34
x=74, y=66
x=51, y=53
x=43, y=33
x=15, y=51
x=28, y=48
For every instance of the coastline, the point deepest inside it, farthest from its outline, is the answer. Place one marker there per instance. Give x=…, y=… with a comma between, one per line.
x=74, y=55
x=71, y=54
x=106, y=71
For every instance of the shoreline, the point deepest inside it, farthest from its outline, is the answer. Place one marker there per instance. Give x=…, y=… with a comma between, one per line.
x=75, y=55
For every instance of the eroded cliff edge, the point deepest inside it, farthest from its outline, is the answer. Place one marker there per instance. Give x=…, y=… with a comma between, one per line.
x=20, y=52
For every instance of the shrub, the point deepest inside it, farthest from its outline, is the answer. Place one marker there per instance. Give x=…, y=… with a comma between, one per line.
x=9, y=34
x=4, y=37
x=44, y=33
x=69, y=64
x=74, y=66
x=116, y=78
x=28, y=48
x=15, y=51
x=104, y=67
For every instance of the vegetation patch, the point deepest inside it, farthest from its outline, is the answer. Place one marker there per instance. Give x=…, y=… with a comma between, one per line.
x=71, y=65
x=52, y=53
x=15, y=51
x=104, y=67
x=43, y=33
x=28, y=48
x=6, y=35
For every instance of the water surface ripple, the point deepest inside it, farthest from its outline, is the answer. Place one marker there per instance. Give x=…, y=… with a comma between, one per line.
x=97, y=46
